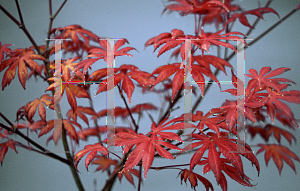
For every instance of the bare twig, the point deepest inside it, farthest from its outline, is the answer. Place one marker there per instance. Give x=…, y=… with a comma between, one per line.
x=127, y=107
x=20, y=14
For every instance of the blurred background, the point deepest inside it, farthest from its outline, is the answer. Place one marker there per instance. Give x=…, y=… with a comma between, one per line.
x=138, y=21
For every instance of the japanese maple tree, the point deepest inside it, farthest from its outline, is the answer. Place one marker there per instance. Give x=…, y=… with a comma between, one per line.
x=213, y=142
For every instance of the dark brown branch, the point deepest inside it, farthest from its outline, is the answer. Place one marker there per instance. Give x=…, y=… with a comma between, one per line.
x=20, y=14
x=140, y=177
x=50, y=8
x=10, y=16
x=59, y=9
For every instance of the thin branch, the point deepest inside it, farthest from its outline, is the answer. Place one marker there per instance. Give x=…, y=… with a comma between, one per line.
x=171, y=105
x=257, y=19
x=20, y=14
x=50, y=8
x=127, y=107
x=10, y=16
x=140, y=177
x=171, y=166
x=59, y=9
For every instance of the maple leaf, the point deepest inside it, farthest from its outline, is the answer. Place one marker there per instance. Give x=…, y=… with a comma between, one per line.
x=278, y=153
x=218, y=15
x=93, y=149
x=187, y=174
x=4, y=49
x=33, y=126
x=123, y=76
x=128, y=175
x=59, y=124
x=204, y=40
x=4, y=148
x=80, y=112
x=231, y=171
x=72, y=91
x=186, y=7
x=270, y=129
x=265, y=79
x=145, y=146
x=19, y=58
x=75, y=33
x=226, y=147
x=211, y=123
x=231, y=109
x=31, y=107
x=101, y=53
x=257, y=12
x=104, y=163
x=67, y=66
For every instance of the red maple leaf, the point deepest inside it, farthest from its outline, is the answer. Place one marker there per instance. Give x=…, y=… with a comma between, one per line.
x=33, y=126
x=211, y=123
x=67, y=66
x=93, y=149
x=231, y=171
x=187, y=174
x=227, y=147
x=75, y=33
x=21, y=58
x=278, y=153
x=4, y=148
x=80, y=112
x=72, y=91
x=31, y=107
x=105, y=163
x=102, y=53
x=257, y=12
x=146, y=146
x=268, y=130
x=186, y=7
x=59, y=124
x=4, y=50
x=264, y=80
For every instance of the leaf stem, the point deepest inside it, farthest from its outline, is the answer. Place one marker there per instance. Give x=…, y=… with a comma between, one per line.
x=20, y=14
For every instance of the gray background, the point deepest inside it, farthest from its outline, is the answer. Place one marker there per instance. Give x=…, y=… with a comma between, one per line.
x=138, y=21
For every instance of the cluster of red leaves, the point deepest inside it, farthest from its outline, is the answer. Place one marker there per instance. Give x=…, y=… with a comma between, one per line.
x=75, y=38
x=105, y=163
x=216, y=12
x=21, y=59
x=146, y=145
x=228, y=148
